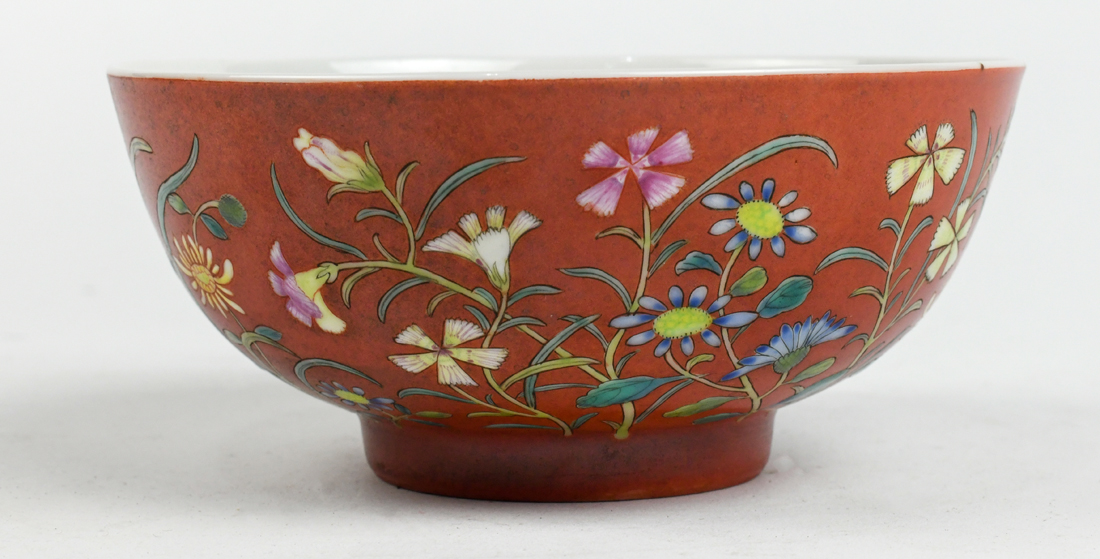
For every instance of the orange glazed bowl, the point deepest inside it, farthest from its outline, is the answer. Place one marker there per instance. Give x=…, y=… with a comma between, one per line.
x=565, y=280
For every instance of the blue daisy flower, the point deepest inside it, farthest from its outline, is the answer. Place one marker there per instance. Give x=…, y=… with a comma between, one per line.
x=760, y=219
x=684, y=320
x=793, y=343
x=353, y=396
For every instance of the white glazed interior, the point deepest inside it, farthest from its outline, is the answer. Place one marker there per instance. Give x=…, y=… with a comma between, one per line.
x=528, y=68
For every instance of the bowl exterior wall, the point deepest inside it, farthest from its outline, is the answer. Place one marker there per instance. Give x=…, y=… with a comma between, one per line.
x=348, y=237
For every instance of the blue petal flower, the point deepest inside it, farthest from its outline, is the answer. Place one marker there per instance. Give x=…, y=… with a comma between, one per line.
x=652, y=304
x=778, y=247
x=662, y=348
x=735, y=374
x=676, y=296
x=711, y=338
x=641, y=338
x=721, y=202
x=723, y=226
x=737, y=241
x=719, y=304
x=686, y=345
x=754, y=248
x=698, y=296
x=746, y=191
x=735, y=320
x=800, y=234
x=766, y=190
x=631, y=320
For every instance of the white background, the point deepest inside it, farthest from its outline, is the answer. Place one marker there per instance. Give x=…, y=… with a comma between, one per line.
x=128, y=427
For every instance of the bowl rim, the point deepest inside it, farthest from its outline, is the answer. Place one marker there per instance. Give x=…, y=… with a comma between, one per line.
x=530, y=68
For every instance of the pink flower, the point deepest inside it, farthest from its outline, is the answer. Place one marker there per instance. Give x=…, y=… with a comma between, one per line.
x=303, y=292
x=657, y=187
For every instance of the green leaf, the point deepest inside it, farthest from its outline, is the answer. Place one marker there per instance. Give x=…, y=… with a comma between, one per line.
x=563, y=363
x=439, y=297
x=171, y=184
x=623, y=361
x=696, y=260
x=560, y=338
x=814, y=370
x=232, y=337
x=481, y=318
x=660, y=401
x=351, y=281
x=913, y=236
x=453, y=182
x=891, y=224
x=665, y=255
x=813, y=389
x=752, y=157
x=269, y=332
x=304, y=365
x=489, y=414
x=706, y=404
x=402, y=177
x=389, y=296
x=583, y=419
x=559, y=386
x=716, y=417
x=305, y=228
x=598, y=274
x=849, y=253
x=138, y=145
x=861, y=338
x=520, y=321
x=232, y=210
x=425, y=392
x=213, y=226
x=591, y=328
x=178, y=204
x=701, y=358
x=752, y=281
x=622, y=390
x=433, y=414
x=790, y=293
x=622, y=232
x=868, y=290
x=532, y=290
x=425, y=422
x=402, y=409
x=489, y=298
x=376, y=212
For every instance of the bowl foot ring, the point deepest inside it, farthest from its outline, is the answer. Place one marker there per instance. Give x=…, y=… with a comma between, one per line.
x=536, y=465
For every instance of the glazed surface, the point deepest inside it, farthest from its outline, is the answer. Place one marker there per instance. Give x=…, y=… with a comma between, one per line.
x=567, y=256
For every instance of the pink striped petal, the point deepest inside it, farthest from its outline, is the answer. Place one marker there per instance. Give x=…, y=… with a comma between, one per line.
x=601, y=156
x=603, y=198
x=658, y=187
x=676, y=150
x=640, y=142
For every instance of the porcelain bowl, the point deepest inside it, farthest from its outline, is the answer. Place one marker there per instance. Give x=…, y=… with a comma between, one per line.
x=565, y=280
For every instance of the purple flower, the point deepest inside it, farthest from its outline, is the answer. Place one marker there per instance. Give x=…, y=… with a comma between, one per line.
x=303, y=292
x=657, y=187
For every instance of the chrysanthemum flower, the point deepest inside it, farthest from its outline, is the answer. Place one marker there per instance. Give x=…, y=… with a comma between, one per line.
x=489, y=248
x=303, y=292
x=657, y=187
x=197, y=263
x=455, y=333
x=682, y=321
x=760, y=220
x=948, y=237
x=938, y=159
x=793, y=343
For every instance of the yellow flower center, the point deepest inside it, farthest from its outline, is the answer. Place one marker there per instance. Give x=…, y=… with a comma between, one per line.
x=351, y=397
x=680, y=322
x=203, y=278
x=760, y=219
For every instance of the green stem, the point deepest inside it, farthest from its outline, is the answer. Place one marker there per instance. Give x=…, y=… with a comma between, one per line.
x=419, y=272
x=195, y=217
x=411, y=258
x=722, y=286
x=688, y=374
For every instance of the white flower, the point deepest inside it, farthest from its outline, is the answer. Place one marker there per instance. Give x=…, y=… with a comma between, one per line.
x=489, y=248
x=937, y=159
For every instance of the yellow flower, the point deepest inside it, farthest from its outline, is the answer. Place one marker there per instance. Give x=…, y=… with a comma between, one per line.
x=198, y=264
x=455, y=333
x=938, y=159
x=948, y=237
x=344, y=167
